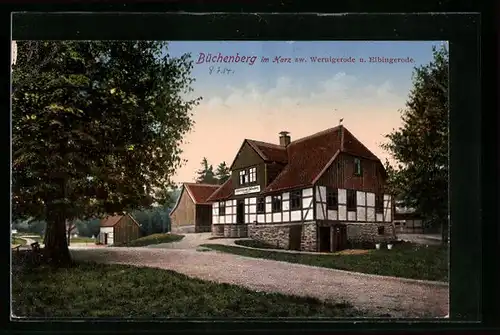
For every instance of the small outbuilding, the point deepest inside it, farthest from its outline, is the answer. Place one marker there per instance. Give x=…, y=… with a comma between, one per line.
x=192, y=212
x=119, y=229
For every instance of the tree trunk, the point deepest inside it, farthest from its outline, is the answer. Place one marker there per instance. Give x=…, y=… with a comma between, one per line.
x=69, y=232
x=56, y=247
x=444, y=232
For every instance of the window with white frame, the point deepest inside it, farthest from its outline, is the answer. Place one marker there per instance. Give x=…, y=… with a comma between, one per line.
x=248, y=176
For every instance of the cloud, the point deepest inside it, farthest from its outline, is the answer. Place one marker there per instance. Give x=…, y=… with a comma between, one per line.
x=285, y=92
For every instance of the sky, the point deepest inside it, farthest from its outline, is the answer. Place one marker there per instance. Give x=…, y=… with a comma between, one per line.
x=257, y=98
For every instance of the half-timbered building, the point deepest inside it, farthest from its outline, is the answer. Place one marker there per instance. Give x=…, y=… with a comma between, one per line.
x=315, y=193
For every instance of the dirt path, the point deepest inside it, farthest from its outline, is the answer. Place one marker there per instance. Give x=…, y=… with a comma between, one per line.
x=192, y=241
x=373, y=294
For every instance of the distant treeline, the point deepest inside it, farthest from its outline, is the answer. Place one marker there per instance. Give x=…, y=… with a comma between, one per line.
x=152, y=221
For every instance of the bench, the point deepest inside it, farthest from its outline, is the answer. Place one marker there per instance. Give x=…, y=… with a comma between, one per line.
x=15, y=247
x=36, y=251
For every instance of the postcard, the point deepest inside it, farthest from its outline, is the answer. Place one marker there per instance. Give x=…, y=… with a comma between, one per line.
x=230, y=179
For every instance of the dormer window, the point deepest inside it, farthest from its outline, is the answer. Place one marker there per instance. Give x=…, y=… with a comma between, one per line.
x=357, y=167
x=248, y=176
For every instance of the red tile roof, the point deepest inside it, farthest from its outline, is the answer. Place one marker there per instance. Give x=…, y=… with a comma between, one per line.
x=223, y=192
x=200, y=192
x=269, y=152
x=306, y=159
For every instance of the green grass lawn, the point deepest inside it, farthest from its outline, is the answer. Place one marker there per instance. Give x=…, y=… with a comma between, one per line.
x=82, y=240
x=98, y=290
x=255, y=244
x=154, y=239
x=17, y=240
x=404, y=260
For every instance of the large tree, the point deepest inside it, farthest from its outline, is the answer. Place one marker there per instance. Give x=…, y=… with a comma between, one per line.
x=96, y=129
x=222, y=173
x=420, y=146
x=206, y=173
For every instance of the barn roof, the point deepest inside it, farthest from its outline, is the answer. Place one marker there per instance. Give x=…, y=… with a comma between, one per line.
x=111, y=221
x=199, y=193
x=306, y=159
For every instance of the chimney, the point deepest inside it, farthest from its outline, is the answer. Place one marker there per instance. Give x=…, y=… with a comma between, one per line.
x=284, y=138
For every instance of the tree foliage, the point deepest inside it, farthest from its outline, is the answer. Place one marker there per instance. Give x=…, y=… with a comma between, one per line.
x=420, y=147
x=222, y=173
x=96, y=129
x=206, y=175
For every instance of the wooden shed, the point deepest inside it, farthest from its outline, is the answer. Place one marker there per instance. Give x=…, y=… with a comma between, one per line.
x=119, y=229
x=192, y=212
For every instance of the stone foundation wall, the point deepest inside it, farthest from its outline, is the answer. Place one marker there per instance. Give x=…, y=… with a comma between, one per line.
x=233, y=231
x=368, y=232
x=218, y=230
x=309, y=240
x=277, y=234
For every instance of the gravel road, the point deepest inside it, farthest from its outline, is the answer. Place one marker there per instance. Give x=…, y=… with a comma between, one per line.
x=374, y=294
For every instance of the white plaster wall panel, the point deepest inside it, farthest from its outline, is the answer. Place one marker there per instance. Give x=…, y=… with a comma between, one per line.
x=222, y=219
x=246, y=201
x=215, y=219
x=370, y=199
x=252, y=209
x=286, y=216
x=286, y=205
x=215, y=205
x=229, y=210
x=307, y=192
x=295, y=215
x=333, y=215
x=110, y=239
x=306, y=202
x=234, y=219
x=387, y=197
x=380, y=217
x=268, y=208
x=247, y=219
x=252, y=218
x=215, y=211
x=252, y=201
x=351, y=216
x=360, y=198
x=370, y=214
x=269, y=218
x=268, y=199
x=342, y=196
x=309, y=215
x=319, y=212
x=285, y=196
x=388, y=216
x=361, y=214
x=108, y=230
x=321, y=193
x=234, y=202
x=229, y=219
x=277, y=217
x=261, y=218
x=342, y=212
x=229, y=203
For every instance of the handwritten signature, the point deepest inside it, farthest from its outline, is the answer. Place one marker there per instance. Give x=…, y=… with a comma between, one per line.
x=220, y=70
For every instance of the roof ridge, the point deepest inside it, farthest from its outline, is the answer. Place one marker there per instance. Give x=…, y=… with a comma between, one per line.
x=274, y=145
x=323, y=132
x=201, y=184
